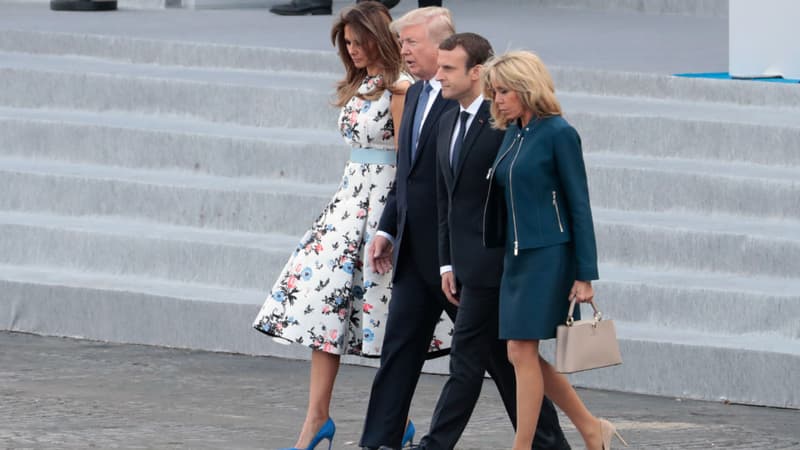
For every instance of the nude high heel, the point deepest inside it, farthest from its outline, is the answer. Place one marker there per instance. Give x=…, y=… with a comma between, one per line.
x=608, y=430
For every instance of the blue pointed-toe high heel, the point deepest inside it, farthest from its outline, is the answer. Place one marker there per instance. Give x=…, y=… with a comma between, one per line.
x=326, y=432
x=408, y=436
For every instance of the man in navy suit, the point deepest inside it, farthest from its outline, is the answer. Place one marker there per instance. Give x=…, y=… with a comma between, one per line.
x=407, y=236
x=470, y=273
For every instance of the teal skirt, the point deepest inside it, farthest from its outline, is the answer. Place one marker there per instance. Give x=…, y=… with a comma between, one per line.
x=534, y=291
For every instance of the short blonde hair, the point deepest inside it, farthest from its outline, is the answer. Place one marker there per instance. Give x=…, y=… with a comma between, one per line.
x=524, y=73
x=438, y=21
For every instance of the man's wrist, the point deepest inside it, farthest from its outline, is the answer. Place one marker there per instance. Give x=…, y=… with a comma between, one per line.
x=388, y=236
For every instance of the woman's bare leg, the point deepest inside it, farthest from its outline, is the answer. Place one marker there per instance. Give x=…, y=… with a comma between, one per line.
x=558, y=388
x=324, y=367
x=524, y=356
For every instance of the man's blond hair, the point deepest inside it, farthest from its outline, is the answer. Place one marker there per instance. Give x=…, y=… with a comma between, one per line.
x=438, y=22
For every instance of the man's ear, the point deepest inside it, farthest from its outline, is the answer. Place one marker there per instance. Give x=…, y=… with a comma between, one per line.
x=475, y=71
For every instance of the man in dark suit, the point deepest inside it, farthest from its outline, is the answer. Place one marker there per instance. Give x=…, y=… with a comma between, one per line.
x=407, y=236
x=408, y=240
x=470, y=273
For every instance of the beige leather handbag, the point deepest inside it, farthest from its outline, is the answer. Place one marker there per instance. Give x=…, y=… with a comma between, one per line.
x=586, y=344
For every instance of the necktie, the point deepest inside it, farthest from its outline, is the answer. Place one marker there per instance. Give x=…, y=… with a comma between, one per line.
x=422, y=102
x=462, y=131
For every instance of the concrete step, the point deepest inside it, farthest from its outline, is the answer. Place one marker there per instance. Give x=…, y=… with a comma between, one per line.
x=247, y=259
x=703, y=8
x=685, y=299
x=270, y=105
x=659, y=86
x=142, y=140
x=149, y=311
x=269, y=98
x=618, y=181
x=726, y=244
x=676, y=108
x=174, y=197
x=171, y=52
x=53, y=301
x=682, y=185
x=174, y=51
x=321, y=82
x=671, y=238
x=152, y=142
x=629, y=289
x=142, y=310
x=127, y=247
x=671, y=137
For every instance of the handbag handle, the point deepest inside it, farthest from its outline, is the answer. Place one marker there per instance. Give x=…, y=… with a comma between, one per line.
x=598, y=316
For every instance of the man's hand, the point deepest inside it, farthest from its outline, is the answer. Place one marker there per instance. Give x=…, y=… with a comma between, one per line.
x=449, y=287
x=380, y=254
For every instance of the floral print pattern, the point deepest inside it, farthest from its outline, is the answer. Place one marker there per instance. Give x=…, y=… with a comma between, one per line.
x=368, y=123
x=325, y=297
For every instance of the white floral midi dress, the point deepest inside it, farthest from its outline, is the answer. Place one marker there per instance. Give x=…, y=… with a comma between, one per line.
x=325, y=297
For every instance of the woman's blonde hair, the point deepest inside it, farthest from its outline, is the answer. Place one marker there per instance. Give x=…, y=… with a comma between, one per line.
x=524, y=73
x=370, y=22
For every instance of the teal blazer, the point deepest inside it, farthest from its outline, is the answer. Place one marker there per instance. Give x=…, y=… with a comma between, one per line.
x=548, y=199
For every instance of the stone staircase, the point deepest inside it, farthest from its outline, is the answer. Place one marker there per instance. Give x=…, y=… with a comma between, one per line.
x=152, y=193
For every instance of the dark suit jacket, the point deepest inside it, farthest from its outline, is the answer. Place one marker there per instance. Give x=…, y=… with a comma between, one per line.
x=461, y=200
x=551, y=194
x=410, y=212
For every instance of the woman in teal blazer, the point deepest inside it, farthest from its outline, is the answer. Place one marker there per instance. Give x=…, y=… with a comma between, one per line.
x=538, y=208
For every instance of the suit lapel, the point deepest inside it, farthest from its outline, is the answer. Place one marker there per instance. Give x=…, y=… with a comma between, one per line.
x=407, y=127
x=428, y=126
x=447, y=122
x=481, y=120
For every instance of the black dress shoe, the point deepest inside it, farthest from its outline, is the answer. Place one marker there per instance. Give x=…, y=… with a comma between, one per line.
x=564, y=445
x=389, y=4
x=303, y=7
x=83, y=5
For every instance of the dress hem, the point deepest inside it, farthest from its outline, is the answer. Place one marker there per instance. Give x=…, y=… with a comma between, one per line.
x=431, y=354
x=275, y=336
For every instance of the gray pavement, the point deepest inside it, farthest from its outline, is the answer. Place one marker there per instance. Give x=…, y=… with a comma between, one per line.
x=610, y=40
x=66, y=393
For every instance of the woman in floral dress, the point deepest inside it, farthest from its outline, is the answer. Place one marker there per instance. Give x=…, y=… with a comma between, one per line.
x=325, y=297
